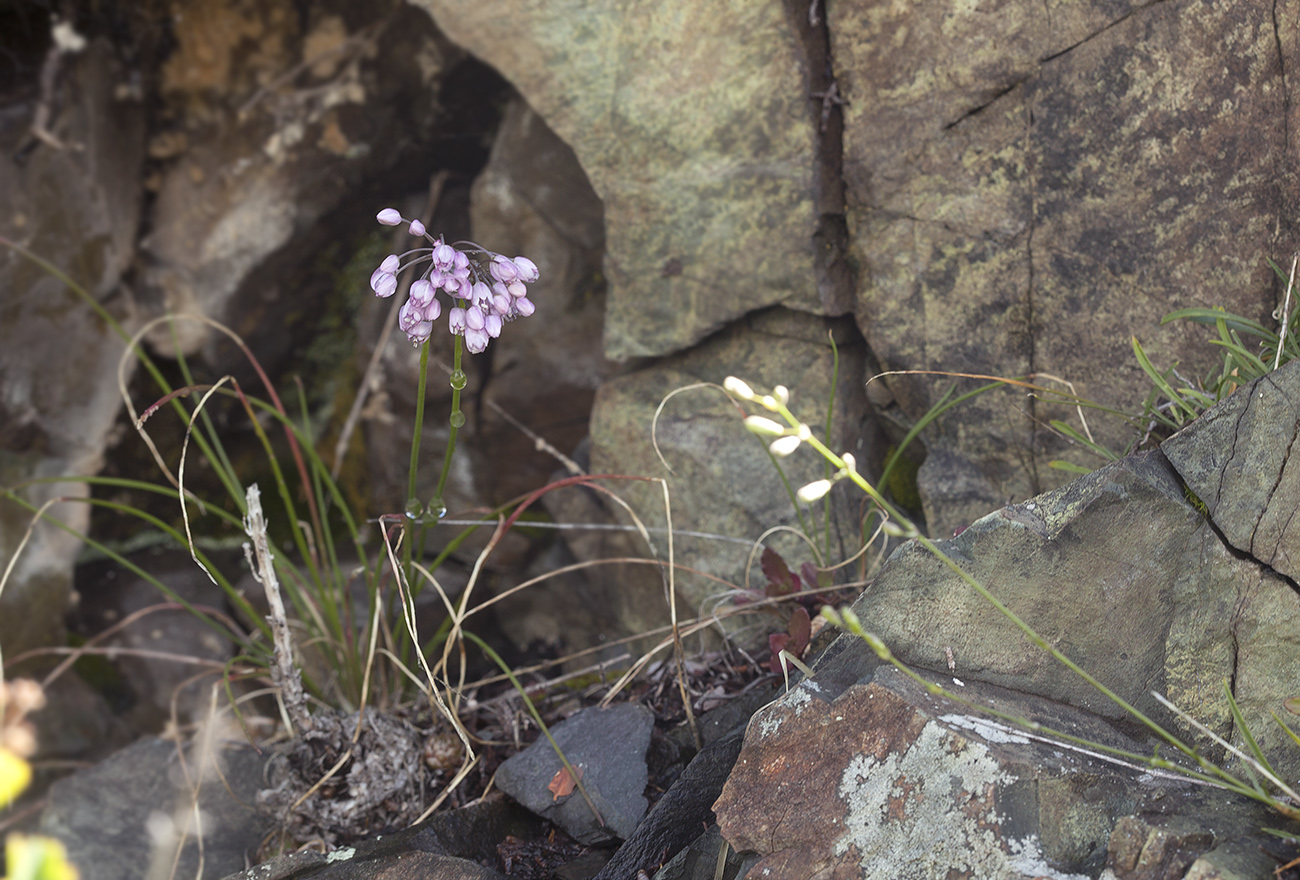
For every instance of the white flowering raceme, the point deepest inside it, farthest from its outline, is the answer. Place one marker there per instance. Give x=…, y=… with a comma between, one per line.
x=487, y=289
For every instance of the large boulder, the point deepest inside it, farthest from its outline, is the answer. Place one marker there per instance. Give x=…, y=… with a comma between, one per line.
x=693, y=126
x=1063, y=181
x=275, y=115
x=884, y=779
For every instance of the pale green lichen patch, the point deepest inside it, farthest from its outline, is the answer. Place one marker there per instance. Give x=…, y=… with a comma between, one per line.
x=768, y=720
x=933, y=809
x=341, y=855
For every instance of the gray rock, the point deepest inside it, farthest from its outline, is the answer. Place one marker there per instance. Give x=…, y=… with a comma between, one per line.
x=453, y=844
x=258, y=165
x=1196, y=834
x=1120, y=572
x=696, y=135
x=124, y=818
x=1009, y=217
x=1237, y=459
x=677, y=818
x=78, y=208
x=608, y=747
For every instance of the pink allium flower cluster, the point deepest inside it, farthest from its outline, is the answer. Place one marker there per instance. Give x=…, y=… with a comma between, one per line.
x=486, y=289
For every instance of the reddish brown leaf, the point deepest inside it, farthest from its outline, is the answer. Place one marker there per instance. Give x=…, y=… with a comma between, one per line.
x=780, y=579
x=800, y=632
x=776, y=641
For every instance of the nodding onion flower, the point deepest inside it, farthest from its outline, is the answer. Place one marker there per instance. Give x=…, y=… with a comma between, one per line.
x=487, y=289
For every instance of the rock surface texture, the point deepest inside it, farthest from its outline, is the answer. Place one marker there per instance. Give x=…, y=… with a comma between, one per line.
x=861, y=772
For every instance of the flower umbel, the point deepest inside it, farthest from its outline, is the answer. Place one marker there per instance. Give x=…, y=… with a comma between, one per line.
x=487, y=289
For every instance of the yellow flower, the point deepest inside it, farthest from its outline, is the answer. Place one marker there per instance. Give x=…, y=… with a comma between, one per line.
x=14, y=776
x=37, y=858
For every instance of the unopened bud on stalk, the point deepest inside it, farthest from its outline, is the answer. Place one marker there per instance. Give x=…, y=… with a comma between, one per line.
x=738, y=388
x=764, y=426
x=814, y=490
x=783, y=446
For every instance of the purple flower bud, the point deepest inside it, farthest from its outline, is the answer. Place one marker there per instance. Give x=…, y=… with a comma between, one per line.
x=432, y=310
x=474, y=319
x=476, y=341
x=389, y=217
x=409, y=315
x=383, y=283
x=452, y=286
x=524, y=306
x=391, y=263
x=417, y=228
x=527, y=269
x=492, y=324
x=443, y=255
x=516, y=288
x=460, y=261
x=456, y=320
x=419, y=334
x=422, y=292
x=503, y=270
x=480, y=294
x=502, y=303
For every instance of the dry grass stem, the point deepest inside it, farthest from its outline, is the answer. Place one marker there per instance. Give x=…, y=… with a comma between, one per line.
x=284, y=674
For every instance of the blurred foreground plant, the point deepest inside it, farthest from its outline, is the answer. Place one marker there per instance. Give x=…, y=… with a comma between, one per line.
x=27, y=857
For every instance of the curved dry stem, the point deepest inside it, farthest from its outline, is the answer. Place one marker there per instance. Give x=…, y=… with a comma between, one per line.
x=179, y=482
x=654, y=422
x=89, y=646
x=1077, y=407
x=131, y=351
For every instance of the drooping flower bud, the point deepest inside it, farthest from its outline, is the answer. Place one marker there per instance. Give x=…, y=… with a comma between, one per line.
x=422, y=292
x=389, y=217
x=383, y=283
x=814, y=490
x=738, y=388
x=417, y=228
x=527, y=269
x=764, y=426
x=504, y=270
x=783, y=446
x=420, y=333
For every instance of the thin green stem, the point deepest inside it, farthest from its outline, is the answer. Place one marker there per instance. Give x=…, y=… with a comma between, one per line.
x=456, y=418
x=419, y=424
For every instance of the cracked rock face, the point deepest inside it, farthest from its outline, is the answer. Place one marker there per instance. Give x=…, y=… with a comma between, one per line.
x=1024, y=188
x=1065, y=180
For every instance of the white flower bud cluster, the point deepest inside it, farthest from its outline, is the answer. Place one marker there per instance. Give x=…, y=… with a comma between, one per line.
x=786, y=438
